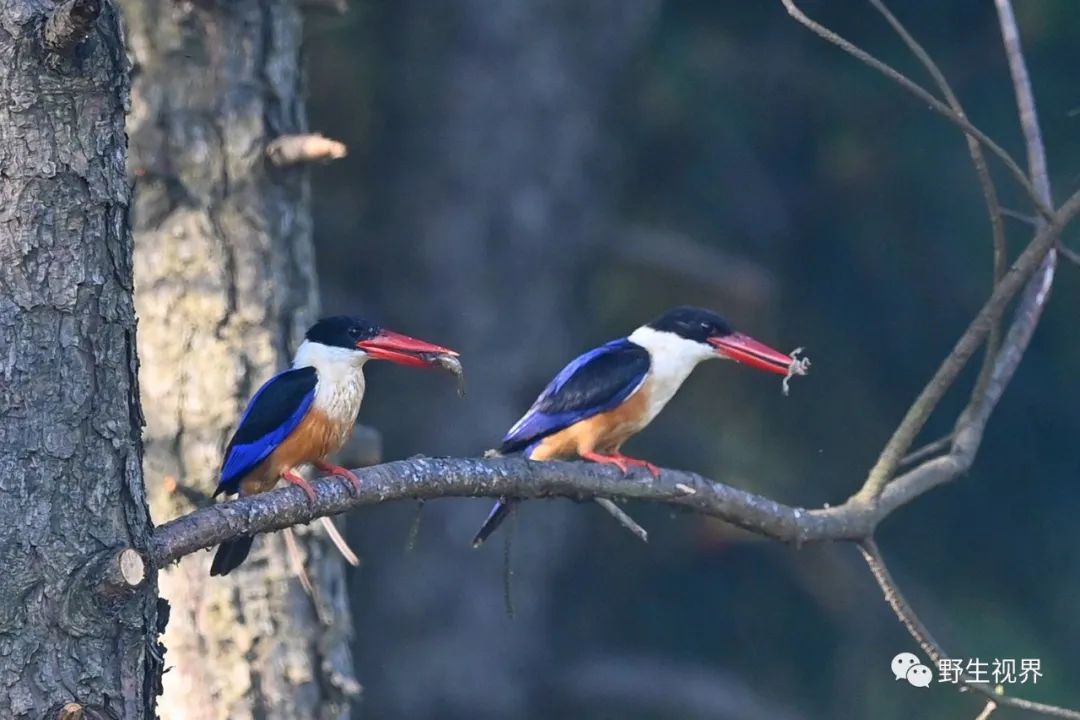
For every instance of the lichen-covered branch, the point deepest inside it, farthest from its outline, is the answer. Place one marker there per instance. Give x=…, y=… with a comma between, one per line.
x=428, y=478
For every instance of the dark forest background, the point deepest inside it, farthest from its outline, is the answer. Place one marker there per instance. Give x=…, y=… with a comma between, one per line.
x=526, y=180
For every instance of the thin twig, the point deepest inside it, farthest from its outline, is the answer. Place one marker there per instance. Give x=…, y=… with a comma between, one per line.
x=978, y=160
x=982, y=172
x=296, y=561
x=625, y=520
x=1038, y=290
x=915, y=627
x=1025, y=101
x=895, y=600
x=339, y=542
x=921, y=93
x=1022, y=217
x=508, y=563
x=1069, y=254
x=991, y=706
x=919, y=412
x=930, y=448
x=414, y=528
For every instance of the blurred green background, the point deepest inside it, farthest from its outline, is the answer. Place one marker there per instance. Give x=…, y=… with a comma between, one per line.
x=528, y=179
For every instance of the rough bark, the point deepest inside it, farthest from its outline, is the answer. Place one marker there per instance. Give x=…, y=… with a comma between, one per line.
x=71, y=491
x=225, y=288
x=498, y=125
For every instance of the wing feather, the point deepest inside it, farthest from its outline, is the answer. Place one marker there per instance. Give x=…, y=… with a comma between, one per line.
x=592, y=383
x=275, y=411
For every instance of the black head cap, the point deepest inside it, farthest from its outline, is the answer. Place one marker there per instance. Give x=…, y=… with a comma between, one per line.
x=342, y=331
x=692, y=323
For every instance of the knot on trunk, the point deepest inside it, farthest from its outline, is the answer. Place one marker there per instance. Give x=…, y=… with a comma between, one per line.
x=70, y=23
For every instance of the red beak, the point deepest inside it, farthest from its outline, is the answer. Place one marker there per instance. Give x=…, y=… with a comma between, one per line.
x=749, y=351
x=395, y=347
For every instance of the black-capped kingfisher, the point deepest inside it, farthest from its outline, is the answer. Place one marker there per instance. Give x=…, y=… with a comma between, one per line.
x=303, y=414
x=608, y=394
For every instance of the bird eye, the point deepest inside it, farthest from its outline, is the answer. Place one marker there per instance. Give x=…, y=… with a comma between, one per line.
x=354, y=332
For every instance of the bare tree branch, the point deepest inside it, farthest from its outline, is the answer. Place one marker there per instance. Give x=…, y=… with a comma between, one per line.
x=1037, y=292
x=1019, y=216
x=919, y=412
x=426, y=478
x=978, y=160
x=856, y=519
x=982, y=172
x=339, y=542
x=1025, y=101
x=624, y=519
x=991, y=382
x=1070, y=255
x=289, y=150
x=1039, y=255
x=921, y=93
x=927, y=450
x=915, y=627
x=895, y=600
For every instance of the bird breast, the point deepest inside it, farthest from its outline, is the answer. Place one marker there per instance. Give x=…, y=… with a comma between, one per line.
x=338, y=396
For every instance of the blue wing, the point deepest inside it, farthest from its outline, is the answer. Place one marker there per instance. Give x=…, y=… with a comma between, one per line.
x=274, y=412
x=594, y=382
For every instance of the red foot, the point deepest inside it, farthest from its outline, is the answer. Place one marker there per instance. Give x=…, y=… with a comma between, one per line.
x=297, y=479
x=338, y=470
x=623, y=462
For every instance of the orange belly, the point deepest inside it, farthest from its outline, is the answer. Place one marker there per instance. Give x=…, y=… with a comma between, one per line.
x=603, y=433
x=313, y=439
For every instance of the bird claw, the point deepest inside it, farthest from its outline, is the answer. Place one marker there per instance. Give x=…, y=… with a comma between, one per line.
x=635, y=462
x=297, y=479
x=354, y=481
x=624, y=463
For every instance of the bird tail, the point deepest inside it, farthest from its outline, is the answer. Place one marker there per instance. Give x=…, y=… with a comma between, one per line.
x=495, y=518
x=230, y=554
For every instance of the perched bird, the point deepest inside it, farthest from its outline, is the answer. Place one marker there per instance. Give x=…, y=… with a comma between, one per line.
x=303, y=414
x=610, y=393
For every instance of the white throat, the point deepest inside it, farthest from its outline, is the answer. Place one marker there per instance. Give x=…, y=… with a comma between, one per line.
x=671, y=360
x=340, y=371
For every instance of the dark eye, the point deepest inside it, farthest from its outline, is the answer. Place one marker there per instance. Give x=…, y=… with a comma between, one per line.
x=703, y=325
x=355, y=332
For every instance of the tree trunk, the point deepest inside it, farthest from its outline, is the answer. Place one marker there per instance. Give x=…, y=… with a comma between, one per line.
x=225, y=288
x=494, y=182
x=72, y=630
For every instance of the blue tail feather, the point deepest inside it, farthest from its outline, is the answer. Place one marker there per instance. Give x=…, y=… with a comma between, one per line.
x=499, y=512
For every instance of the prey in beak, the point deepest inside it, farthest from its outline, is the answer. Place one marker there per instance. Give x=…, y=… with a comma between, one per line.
x=404, y=350
x=748, y=351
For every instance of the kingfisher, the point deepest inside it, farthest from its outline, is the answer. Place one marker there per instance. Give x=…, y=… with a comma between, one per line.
x=303, y=414
x=610, y=393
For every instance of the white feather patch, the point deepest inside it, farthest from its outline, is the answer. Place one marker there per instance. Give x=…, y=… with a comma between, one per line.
x=340, y=389
x=671, y=360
